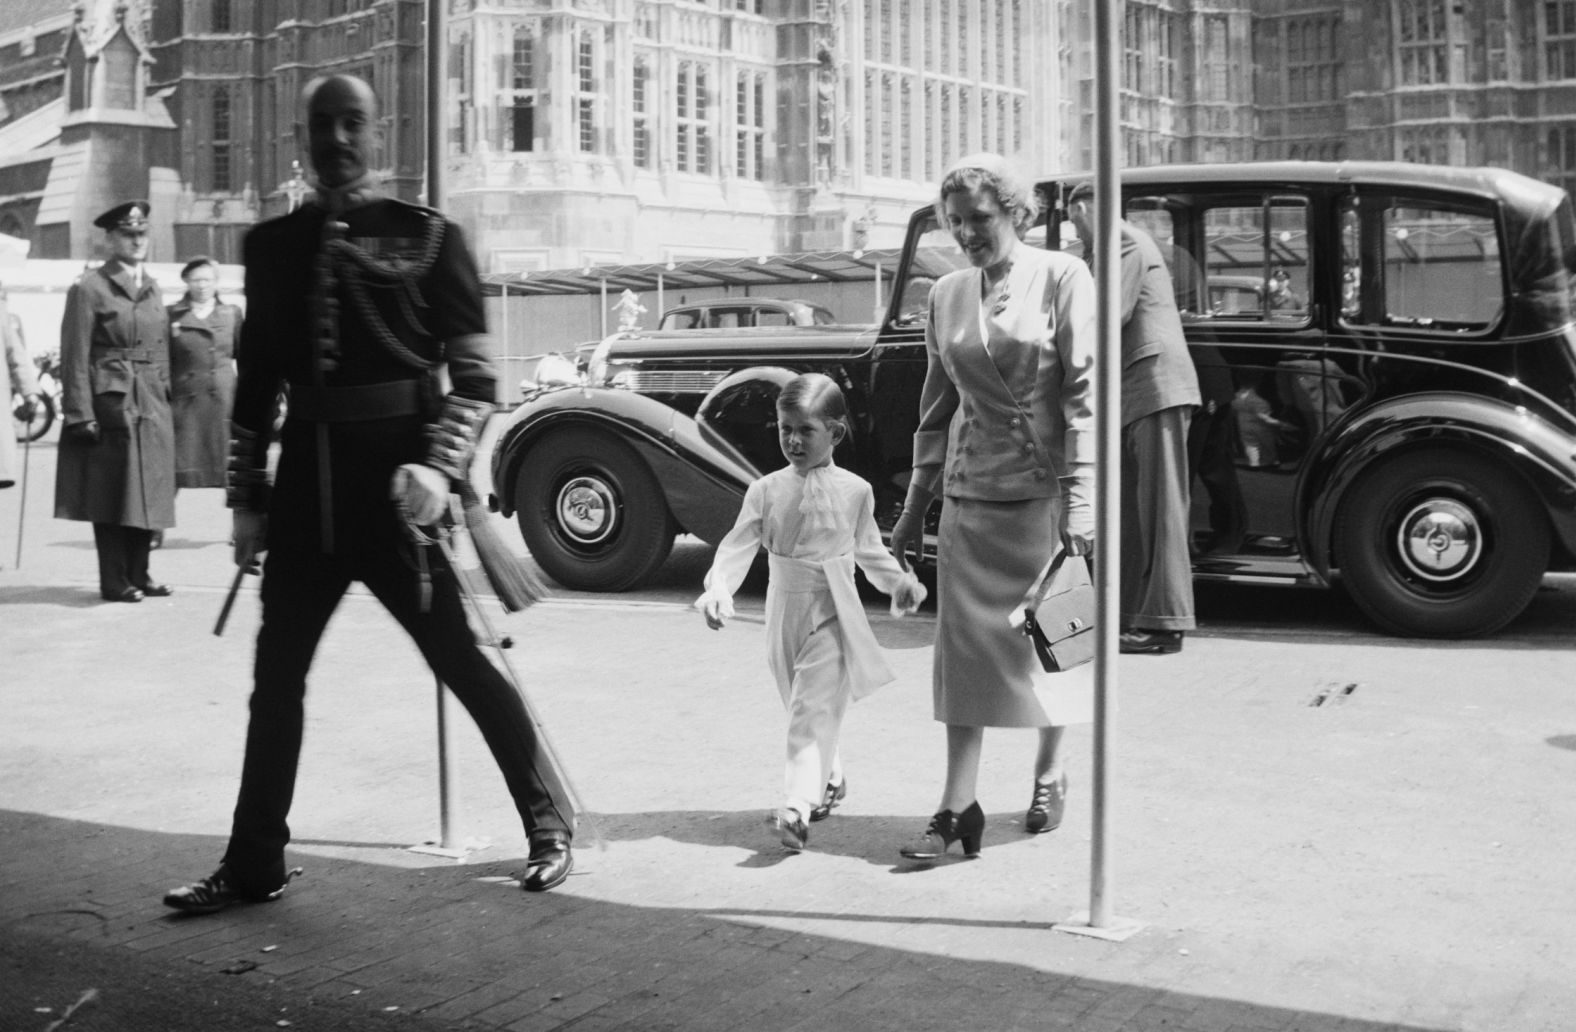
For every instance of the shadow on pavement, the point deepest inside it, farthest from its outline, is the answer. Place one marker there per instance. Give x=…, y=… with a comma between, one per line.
x=355, y=945
x=69, y=597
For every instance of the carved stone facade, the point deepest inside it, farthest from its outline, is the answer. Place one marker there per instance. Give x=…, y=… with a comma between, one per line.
x=590, y=131
x=646, y=130
x=1486, y=83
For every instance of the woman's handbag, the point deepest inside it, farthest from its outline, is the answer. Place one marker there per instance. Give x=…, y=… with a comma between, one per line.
x=1061, y=620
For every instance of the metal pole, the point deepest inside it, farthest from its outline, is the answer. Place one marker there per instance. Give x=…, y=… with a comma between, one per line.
x=880, y=307
x=435, y=126
x=1108, y=453
x=21, y=505
x=435, y=134
x=445, y=818
x=604, y=306
x=504, y=390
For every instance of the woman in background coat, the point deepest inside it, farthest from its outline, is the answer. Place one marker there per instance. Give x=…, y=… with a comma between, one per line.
x=203, y=332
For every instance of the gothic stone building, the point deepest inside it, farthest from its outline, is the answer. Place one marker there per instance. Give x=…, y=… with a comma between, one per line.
x=588, y=131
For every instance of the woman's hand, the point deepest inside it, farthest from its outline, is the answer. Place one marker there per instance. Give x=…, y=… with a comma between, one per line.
x=908, y=533
x=1078, y=512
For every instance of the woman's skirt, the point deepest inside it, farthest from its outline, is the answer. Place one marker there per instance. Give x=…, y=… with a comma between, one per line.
x=989, y=556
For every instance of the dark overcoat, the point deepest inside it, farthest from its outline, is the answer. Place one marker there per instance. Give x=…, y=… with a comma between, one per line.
x=115, y=370
x=202, y=379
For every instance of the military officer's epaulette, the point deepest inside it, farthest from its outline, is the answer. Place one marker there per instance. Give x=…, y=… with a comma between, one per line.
x=399, y=231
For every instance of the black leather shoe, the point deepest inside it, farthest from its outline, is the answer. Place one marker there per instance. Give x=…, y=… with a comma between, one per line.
x=791, y=830
x=1046, y=806
x=946, y=828
x=128, y=595
x=549, y=863
x=153, y=590
x=829, y=799
x=1136, y=641
x=219, y=890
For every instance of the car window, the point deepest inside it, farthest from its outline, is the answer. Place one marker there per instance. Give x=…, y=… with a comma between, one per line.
x=935, y=255
x=1441, y=268
x=822, y=316
x=684, y=320
x=772, y=317
x=1237, y=258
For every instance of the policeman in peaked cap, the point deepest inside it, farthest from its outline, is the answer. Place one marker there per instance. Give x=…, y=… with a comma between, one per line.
x=131, y=216
x=116, y=462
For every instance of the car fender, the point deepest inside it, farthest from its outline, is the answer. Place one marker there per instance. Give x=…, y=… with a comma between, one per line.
x=1542, y=453
x=703, y=477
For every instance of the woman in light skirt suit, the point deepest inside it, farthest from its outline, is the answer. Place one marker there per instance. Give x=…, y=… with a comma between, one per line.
x=1006, y=437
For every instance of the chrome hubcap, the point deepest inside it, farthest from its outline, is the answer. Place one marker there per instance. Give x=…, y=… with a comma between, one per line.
x=587, y=510
x=1439, y=539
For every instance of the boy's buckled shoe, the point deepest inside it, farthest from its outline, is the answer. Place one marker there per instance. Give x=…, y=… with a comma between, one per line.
x=791, y=829
x=834, y=794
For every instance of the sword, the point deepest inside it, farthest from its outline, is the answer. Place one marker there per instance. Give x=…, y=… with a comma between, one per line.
x=229, y=599
x=556, y=771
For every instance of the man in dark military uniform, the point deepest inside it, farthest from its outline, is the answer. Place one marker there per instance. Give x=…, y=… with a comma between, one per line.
x=116, y=466
x=355, y=301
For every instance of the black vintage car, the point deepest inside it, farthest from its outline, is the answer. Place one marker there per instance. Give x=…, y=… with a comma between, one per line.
x=1396, y=342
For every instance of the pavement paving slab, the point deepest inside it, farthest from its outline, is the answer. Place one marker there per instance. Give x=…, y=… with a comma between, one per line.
x=1301, y=856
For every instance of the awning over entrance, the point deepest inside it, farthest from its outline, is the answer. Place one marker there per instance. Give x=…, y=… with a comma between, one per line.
x=765, y=270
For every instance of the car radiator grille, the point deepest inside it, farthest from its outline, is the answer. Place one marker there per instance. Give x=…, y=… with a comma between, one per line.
x=656, y=381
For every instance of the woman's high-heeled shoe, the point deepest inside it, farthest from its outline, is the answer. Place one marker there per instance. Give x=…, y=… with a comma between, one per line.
x=946, y=828
x=1045, y=809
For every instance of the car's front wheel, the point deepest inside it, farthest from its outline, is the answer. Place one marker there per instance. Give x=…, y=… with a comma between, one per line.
x=591, y=512
x=1441, y=543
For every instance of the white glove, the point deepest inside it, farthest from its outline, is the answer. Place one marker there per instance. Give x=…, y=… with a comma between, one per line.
x=424, y=491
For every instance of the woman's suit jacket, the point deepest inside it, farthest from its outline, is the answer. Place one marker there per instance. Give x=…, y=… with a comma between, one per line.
x=1001, y=420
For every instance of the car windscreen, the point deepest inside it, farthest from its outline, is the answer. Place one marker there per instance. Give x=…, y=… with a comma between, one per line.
x=936, y=253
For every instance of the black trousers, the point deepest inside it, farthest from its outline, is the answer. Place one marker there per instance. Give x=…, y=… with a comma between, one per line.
x=1211, y=454
x=300, y=592
x=122, y=557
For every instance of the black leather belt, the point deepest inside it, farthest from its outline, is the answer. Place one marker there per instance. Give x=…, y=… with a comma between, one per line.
x=355, y=404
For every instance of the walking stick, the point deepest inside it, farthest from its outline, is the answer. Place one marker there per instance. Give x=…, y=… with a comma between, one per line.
x=21, y=505
x=229, y=599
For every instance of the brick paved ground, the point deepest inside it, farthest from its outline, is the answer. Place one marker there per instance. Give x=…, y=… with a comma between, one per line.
x=1391, y=859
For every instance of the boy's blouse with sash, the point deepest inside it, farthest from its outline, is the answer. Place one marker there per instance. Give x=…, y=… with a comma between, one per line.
x=815, y=528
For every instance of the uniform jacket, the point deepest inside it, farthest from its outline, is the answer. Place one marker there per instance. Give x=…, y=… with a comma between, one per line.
x=115, y=370
x=17, y=379
x=388, y=328
x=1001, y=418
x=202, y=381
x=1157, y=372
